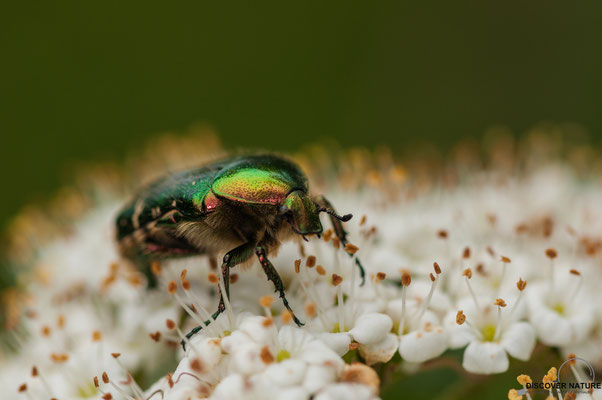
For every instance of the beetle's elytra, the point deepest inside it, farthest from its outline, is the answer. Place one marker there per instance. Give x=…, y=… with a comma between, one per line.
x=238, y=206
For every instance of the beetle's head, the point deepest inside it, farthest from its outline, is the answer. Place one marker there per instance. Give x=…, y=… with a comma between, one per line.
x=302, y=213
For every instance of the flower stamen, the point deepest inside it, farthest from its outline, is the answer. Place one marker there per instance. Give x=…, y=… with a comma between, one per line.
x=575, y=291
x=551, y=254
x=35, y=372
x=336, y=281
x=106, y=380
x=406, y=279
x=434, y=280
x=467, y=273
x=130, y=379
x=505, y=261
x=266, y=303
x=525, y=380
x=498, y=327
x=461, y=319
x=521, y=285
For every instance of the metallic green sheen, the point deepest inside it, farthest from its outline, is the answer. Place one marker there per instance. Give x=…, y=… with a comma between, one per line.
x=259, y=180
x=304, y=213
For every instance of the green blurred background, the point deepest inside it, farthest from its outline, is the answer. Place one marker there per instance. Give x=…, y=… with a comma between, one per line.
x=84, y=80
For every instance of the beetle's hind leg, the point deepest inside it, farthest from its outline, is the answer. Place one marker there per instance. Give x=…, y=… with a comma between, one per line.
x=273, y=276
x=337, y=225
x=232, y=258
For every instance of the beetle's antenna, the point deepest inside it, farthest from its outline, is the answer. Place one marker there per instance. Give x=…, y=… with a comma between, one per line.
x=330, y=211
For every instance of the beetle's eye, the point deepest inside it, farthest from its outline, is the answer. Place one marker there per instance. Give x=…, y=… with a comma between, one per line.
x=283, y=209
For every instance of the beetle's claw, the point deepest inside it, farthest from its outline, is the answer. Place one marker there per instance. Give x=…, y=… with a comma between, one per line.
x=299, y=323
x=190, y=334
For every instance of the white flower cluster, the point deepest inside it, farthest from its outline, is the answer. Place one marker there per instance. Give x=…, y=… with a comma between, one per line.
x=492, y=265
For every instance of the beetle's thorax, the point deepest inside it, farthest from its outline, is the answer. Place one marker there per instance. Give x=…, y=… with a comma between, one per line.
x=234, y=224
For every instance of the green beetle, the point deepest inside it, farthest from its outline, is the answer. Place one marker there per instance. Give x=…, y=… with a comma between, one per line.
x=239, y=206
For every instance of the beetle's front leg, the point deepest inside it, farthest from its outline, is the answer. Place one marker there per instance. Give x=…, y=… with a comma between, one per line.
x=273, y=276
x=337, y=225
x=232, y=258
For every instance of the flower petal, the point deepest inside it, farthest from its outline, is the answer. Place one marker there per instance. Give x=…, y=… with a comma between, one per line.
x=382, y=351
x=519, y=340
x=286, y=373
x=371, y=328
x=552, y=328
x=255, y=328
x=231, y=387
x=317, y=353
x=485, y=358
x=236, y=339
x=246, y=360
x=207, y=350
x=318, y=376
x=419, y=346
x=339, y=342
x=293, y=339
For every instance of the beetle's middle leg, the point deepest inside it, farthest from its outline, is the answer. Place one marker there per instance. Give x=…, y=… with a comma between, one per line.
x=273, y=276
x=232, y=258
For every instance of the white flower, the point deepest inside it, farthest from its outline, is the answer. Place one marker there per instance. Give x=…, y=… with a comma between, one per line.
x=80, y=303
x=420, y=334
x=561, y=319
x=490, y=337
x=425, y=339
x=367, y=329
